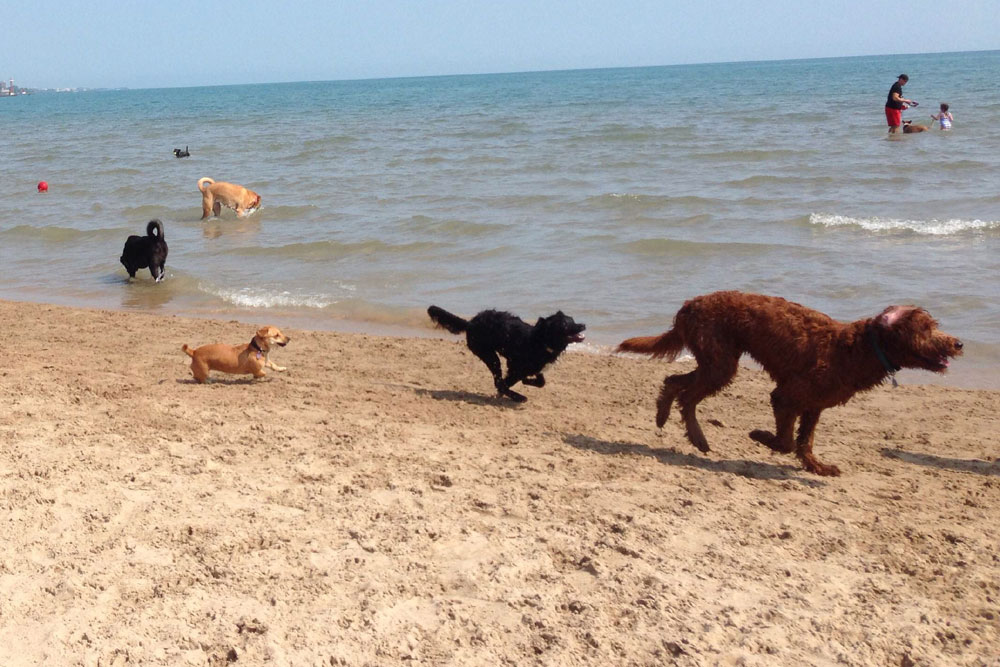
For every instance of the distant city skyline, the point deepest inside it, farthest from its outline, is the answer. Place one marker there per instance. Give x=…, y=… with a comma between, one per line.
x=99, y=44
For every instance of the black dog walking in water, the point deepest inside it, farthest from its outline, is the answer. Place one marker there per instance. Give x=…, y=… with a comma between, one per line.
x=528, y=349
x=182, y=153
x=149, y=251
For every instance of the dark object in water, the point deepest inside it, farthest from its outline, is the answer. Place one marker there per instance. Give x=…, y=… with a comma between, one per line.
x=149, y=251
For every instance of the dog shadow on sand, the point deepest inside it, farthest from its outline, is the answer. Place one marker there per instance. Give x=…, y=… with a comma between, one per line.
x=976, y=466
x=226, y=380
x=743, y=468
x=466, y=397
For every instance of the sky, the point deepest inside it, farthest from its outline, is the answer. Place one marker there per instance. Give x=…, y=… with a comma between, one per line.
x=169, y=43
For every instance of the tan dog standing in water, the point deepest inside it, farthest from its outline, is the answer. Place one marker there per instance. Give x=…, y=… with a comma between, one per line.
x=251, y=358
x=215, y=194
x=910, y=128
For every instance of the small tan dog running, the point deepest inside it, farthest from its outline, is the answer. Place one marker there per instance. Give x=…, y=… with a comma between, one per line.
x=251, y=358
x=215, y=194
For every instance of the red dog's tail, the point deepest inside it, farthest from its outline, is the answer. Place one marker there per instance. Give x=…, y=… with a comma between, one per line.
x=187, y=350
x=668, y=345
x=203, y=181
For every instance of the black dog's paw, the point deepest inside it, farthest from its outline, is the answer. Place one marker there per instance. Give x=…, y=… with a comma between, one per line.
x=516, y=397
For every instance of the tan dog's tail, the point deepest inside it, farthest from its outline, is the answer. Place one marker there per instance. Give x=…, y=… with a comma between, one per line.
x=187, y=350
x=668, y=345
x=202, y=181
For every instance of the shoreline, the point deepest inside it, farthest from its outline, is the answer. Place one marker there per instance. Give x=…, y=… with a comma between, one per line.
x=968, y=376
x=376, y=504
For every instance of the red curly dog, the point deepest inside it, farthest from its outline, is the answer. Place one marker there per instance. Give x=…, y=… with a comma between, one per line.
x=816, y=361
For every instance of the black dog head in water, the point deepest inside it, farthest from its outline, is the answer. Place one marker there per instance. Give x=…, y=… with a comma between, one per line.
x=182, y=153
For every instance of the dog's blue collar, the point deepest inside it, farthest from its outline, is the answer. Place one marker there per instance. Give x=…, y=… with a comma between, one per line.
x=889, y=367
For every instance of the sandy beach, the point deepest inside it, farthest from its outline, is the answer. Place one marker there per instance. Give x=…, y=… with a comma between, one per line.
x=375, y=504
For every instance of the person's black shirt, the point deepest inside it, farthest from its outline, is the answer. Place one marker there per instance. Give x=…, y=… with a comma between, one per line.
x=891, y=103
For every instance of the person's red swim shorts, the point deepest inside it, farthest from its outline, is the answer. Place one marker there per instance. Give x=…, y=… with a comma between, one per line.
x=894, y=116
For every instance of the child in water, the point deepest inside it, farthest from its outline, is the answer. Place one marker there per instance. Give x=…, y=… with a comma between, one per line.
x=944, y=117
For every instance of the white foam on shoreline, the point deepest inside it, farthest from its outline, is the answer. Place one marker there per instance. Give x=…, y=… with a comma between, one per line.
x=609, y=350
x=257, y=298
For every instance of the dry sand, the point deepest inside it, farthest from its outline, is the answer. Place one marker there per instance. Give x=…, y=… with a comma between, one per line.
x=376, y=505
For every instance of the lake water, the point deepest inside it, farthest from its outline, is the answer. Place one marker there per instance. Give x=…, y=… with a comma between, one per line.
x=611, y=194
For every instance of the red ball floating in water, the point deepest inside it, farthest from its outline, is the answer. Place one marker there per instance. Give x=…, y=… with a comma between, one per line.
x=43, y=186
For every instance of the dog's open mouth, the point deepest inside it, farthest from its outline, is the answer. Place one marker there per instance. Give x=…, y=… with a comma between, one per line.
x=938, y=364
x=577, y=337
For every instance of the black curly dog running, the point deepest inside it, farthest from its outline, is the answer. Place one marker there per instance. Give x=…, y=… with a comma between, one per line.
x=528, y=349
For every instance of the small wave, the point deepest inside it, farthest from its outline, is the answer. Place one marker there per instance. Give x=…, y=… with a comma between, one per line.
x=483, y=159
x=335, y=140
x=752, y=155
x=119, y=171
x=930, y=227
x=324, y=153
x=251, y=297
x=452, y=226
x=150, y=211
x=342, y=307
x=327, y=250
x=617, y=200
x=770, y=179
x=60, y=234
x=618, y=132
x=790, y=117
x=963, y=165
x=638, y=134
x=287, y=212
x=675, y=248
x=480, y=254
x=588, y=347
x=503, y=202
x=498, y=131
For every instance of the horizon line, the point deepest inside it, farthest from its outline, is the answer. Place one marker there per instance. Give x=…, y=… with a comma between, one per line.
x=511, y=72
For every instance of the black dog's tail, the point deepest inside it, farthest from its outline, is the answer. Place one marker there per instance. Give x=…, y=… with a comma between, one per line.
x=154, y=226
x=443, y=318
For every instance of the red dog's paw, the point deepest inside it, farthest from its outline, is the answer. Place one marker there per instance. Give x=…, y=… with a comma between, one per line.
x=822, y=469
x=771, y=441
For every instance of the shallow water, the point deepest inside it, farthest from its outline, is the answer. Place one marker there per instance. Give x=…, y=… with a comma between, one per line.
x=611, y=194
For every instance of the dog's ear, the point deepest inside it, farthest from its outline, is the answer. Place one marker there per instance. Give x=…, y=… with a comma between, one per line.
x=262, y=332
x=891, y=315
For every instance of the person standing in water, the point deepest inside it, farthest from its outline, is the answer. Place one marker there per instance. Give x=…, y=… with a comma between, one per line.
x=944, y=118
x=895, y=103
